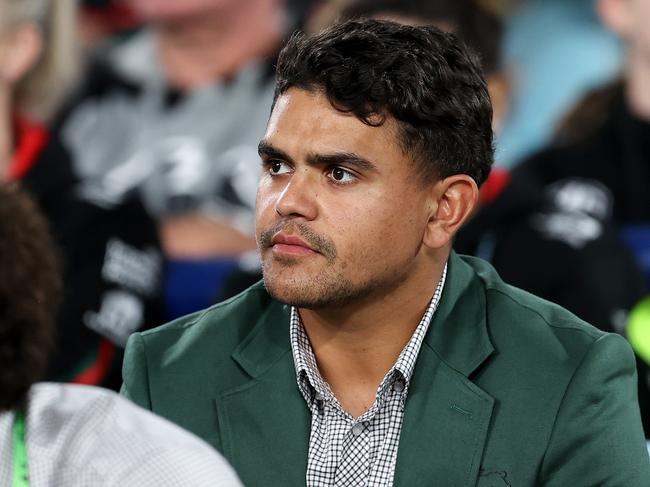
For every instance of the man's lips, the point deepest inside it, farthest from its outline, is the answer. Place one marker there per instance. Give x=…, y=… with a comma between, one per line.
x=290, y=244
x=294, y=239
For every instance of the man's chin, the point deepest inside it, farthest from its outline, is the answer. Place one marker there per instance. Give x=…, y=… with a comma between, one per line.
x=309, y=292
x=288, y=291
x=294, y=291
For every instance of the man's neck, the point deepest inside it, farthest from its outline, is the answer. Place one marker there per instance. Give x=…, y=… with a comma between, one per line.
x=355, y=346
x=638, y=85
x=196, y=51
x=6, y=132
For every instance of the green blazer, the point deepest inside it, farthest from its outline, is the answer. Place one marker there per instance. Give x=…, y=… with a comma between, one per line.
x=508, y=390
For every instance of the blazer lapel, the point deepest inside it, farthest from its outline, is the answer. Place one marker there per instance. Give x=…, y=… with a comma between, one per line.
x=265, y=423
x=447, y=416
x=445, y=426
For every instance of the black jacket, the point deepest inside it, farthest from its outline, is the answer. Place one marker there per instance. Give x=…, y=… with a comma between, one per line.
x=112, y=267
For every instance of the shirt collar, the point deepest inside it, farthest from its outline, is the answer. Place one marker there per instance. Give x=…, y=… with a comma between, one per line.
x=310, y=382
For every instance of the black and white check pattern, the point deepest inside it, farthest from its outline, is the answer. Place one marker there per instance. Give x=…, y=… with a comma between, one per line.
x=346, y=451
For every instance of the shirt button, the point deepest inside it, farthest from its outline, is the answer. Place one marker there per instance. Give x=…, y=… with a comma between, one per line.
x=357, y=429
x=398, y=386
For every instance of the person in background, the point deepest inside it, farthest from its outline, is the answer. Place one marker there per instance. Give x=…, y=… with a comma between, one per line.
x=63, y=434
x=372, y=354
x=555, y=51
x=572, y=225
x=612, y=151
x=112, y=263
x=172, y=114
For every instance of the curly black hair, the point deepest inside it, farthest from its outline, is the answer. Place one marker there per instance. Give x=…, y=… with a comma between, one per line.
x=424, y=78
x=30, y=291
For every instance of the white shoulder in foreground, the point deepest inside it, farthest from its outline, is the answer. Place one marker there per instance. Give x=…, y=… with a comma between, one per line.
x=79, y=435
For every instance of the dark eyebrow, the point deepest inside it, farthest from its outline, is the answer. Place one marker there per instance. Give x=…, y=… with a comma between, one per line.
x=266, y=149
x=334, y=159
x=341, y=158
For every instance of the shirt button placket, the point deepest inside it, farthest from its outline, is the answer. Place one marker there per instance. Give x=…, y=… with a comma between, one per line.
x=357, y=429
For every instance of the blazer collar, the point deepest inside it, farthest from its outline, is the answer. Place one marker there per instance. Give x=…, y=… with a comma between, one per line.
x=458, y=332
x=268, y=342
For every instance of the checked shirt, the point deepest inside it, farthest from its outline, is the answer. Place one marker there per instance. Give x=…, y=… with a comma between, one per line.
x=354, y=452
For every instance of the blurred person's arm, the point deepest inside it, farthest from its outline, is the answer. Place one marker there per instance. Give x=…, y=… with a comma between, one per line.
x=198, y=236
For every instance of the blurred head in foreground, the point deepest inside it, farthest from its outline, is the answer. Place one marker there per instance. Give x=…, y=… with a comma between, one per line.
x=29, y=295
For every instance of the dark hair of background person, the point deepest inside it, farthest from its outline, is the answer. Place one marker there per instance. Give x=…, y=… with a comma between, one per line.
x=479, y=27
x=30, y=291
x=424, y=78
x=589, y=114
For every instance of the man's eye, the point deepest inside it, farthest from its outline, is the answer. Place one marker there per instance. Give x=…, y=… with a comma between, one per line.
x=340, y=175
x=278, y=167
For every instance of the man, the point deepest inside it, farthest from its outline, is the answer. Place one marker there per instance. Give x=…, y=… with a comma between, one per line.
x=62, y=434
x=372, y=354
x=603, y=149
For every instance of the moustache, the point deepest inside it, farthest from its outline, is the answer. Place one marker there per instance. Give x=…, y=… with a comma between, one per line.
x=320, y=244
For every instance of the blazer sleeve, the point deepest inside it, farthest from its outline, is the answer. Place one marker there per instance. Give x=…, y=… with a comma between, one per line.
x=597, y=439
x=135, y=374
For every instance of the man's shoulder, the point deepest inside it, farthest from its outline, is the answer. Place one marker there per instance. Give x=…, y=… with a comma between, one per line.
x=535, y=341
x=222, y=326
x=546, y=370
x=204, y=355
x=514, y=314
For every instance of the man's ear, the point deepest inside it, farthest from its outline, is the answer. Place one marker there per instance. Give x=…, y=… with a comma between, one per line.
x=455, y=198
x=616, y=15
x=21, y=53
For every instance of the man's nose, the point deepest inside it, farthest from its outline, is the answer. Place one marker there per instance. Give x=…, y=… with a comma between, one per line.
x=298, y=198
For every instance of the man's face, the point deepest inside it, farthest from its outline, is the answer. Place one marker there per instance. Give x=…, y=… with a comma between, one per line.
x=341, y=210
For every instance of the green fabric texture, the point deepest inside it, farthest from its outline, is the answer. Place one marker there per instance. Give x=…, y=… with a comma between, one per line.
x=508, y=390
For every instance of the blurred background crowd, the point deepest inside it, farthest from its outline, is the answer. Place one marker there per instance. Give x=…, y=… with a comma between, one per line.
x=134, y=125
